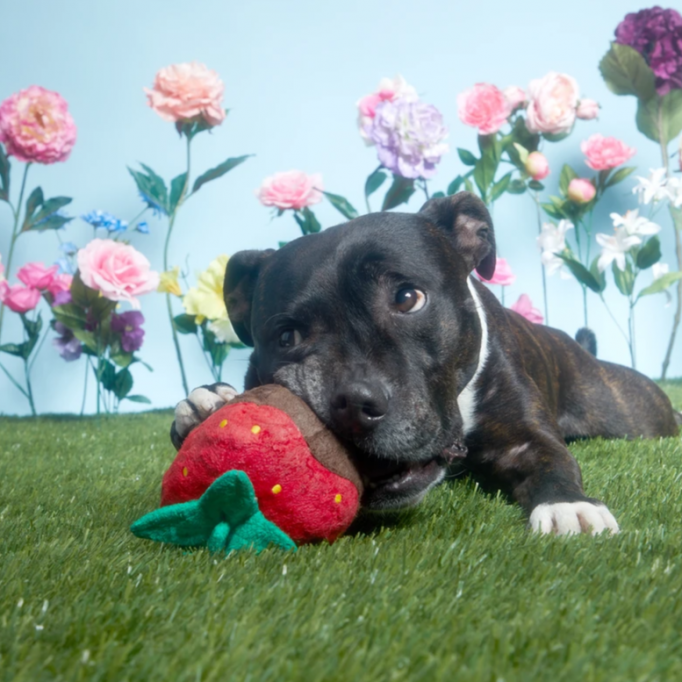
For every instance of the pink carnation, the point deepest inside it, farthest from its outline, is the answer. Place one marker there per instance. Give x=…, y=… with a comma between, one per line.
x=118, y=270
x=37, y=276
x=503, y=274
x=36, y=126
x=524, y=307
x=18, y=298
x=553, y=100
x=185, y=92
x=484, y=107
x=293, y=189
x=604, y=153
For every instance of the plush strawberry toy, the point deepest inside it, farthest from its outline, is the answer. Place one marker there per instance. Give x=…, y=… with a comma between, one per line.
x=297, y=476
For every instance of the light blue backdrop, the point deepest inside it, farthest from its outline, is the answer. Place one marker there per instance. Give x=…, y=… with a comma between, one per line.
x=293, y=72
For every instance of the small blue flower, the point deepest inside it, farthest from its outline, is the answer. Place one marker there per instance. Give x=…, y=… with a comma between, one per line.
x=65, y=266
x=142, y=227
x=69, y=248
x=153, y=204
x=105, y=220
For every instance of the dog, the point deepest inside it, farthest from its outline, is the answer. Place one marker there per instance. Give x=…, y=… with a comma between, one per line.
x=381, y=327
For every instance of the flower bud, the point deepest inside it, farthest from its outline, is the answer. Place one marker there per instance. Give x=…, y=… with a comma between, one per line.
x=587, y=109
x=581, y=191
x=537, y=166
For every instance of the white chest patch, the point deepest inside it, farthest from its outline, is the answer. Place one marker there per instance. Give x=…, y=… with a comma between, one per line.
x=466, y=401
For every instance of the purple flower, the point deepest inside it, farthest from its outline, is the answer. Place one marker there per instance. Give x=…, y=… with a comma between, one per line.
x=69, y=346
x=409, y=137
x=656, y=34
x=129, y=326
x=61, y=298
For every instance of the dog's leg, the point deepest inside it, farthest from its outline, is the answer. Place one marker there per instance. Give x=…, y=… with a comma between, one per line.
x=201, y=403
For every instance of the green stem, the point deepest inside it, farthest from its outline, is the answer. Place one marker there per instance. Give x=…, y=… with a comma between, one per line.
x=585, y=304
x=615, y=321
x=98, y=374
x=13, y=380
x=15, y=234
x=536, y=199
x=29, y=395
x=631, y=330
x=85, y=386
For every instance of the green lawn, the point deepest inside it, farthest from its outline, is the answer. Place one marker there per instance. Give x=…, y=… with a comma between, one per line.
x=455, y=590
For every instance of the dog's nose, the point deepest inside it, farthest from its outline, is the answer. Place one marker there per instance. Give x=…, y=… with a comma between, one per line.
x=359, y=406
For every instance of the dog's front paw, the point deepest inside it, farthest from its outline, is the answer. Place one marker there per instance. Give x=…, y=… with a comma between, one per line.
x=201, y=403
x=569, y=518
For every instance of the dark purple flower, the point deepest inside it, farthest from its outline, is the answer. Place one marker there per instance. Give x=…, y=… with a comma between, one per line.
x=69, y=346
x=409, y=137
x=129, y=326
x=656, y=34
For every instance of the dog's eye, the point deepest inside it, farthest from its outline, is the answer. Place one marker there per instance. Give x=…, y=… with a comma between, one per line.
x=409, y=300
x=290, y=338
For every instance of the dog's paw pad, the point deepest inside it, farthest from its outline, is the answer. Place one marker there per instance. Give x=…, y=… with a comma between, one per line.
x=570, y=518
x=200, y=404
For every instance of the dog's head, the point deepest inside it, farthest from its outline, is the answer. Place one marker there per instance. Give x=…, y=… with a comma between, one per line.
x=372, y=323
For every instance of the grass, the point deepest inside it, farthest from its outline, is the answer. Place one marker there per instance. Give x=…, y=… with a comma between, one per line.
x=455, y=590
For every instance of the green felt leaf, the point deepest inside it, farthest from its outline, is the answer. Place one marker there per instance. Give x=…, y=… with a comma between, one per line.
x=177, y=187
x=398, y=193
x=342, y=205
x=152, y=188
x=219, y=171
x=626, y=72
x=185, y=324
x=660, y=118
x=581, y=273
x=466, y=157
x=649, y=254
x=374, y=181
x=33, y=203
x=123, y=383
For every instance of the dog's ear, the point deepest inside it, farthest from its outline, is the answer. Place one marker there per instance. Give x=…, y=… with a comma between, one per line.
x=465, y=218
x=241, y=276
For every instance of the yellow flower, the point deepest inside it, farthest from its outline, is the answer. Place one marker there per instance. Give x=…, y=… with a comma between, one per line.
x=168, y=282
x=206, y=299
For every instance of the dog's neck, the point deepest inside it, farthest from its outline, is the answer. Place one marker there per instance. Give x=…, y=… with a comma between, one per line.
x=466, y=401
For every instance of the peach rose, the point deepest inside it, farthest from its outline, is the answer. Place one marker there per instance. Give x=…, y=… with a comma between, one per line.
x=552, y=104
x=18, y=298
x=587, y=109
x=503, y=274
x=604, y=153
x=292, y=189
x=36, y=275
x=537, y=166
x=36, y=126
x=118, y=270
x=186, y=92
x=581, y=191
x=524, y=307
x=484, y=107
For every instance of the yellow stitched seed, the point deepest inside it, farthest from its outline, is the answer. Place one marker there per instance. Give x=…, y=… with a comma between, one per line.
x=255, y=429
x=223, y=423
x=277, y=489
x=184, y=471
x=337, y=499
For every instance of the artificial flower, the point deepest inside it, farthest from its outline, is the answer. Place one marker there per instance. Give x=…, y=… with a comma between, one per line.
x=654, y=188
x=614, y=248
x=388, y=90
x=553, y=100
x=291, y=189
x=634, y=224
x=129, y=326
x=168, y=282
x=604, y=153
x=587, y=109
x=485, y=106
x=206, y=301
x=67, y=344
x=105, y=220
x=37, y=276
x=581, y=191
x=552, y=240
x=537, y=166
x=503, y=274
x=18, y=298
x=524, y=307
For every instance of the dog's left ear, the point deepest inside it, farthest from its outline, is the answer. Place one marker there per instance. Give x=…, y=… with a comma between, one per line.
x=465, y=218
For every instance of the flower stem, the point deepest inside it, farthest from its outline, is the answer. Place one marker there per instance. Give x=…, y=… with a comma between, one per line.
x=13, y=380
x=15, y=234
x=585, y=304
x=615, y=321
x=85, y=384
x=542, y=267
x=29, y=394
x=631, y=331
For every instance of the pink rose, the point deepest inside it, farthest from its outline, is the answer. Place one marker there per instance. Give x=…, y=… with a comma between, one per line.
x=18, y=298
x=37, y=276
x=118, y=270
x=604, y=153
x=60, y=283
x=515, y=95
x=552, y=105
x=503, y=274
x=484, y=107
x=581, y=191
x=524, y=307
x=388, y=90
x=293, y=189
x=36, y=126
x=185, y=92
x=537, y=166
x=587, y=109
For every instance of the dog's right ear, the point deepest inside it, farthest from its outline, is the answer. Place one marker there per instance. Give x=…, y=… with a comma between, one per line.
x=241, y=277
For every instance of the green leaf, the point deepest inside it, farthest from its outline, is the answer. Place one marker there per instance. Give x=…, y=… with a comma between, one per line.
x=177, y=186
x=122, y=359
x=32, y=328
x=53, y=222
x=516, y=186
x=87, y=338
x=581, y=273
x=537, y=186
x=484, y=174
x=107, y=375
x=4, y=175
x=625, y=279
x=567, y=174
x=123, y=383
x=660, y=118
x=466, y=157
x=552, y=211
x=626, y=72
x=620, y=175
x=522, y=153
x=185, y=324
x=13, y=349
x=152, y=188
x=454, y=186
x=81, y=294
x=468, y=185
x=34, y=201
x=52, y=206
x=659, y=285
x=649, y=254
x=600, y=277
x=500, y=187
x=398, y=193
x=307, y=221
x=438, y=195
x=138, y=399
x=70, y=315
x=374, y=181
x=342, y=205
x=219, y=171
x=219, y=352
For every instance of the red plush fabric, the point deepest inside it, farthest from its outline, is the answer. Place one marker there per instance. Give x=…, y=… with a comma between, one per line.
x=305, y=500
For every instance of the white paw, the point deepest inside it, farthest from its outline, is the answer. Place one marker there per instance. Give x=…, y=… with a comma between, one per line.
x=569, y=518
x=201, y=403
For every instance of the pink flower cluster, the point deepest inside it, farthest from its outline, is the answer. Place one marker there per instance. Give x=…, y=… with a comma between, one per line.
x=388, y=91
x=36, y=126
x=291, y=190
x=187, y=92
x=118, y=270
x=36, y=279
x=604, y=153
